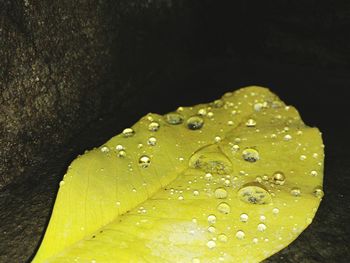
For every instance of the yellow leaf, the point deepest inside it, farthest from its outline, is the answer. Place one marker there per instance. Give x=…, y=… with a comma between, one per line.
x=235, y=180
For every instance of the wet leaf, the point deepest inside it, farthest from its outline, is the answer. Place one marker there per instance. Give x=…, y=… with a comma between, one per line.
x=235, y=180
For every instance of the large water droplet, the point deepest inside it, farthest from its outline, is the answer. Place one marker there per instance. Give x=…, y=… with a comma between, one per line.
x=195, y=123
x=174, y=118
x=224, y=208
x=254, y=193
x=318, y=192
x=144, y=161
x=211, y=160
x=279, y=178
x=153, y=126
x=220, y=193
x=240, y=234
x=250, y=155
x=128, y=132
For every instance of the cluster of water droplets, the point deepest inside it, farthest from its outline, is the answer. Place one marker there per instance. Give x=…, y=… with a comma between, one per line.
x=215, y=164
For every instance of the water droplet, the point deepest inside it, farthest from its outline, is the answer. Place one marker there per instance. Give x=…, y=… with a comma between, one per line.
x=202, y=112
x=255, y=240
x=315, y=155
x=254, y=193
x=243, y=217
x=261, y=227
x=62, y=183
x=217, y=139
x=211, y=160
x=211, y=219
x=180, y=109
x=287, y=137
x=211, y=244
x=119, y=147
x=195, y=123
x=211, y=229
x=180, y=198
x=153, y=126
x=227, y=182
x=152, y=141
x=222, y=238
x=275, y=210
x=210, y=114
x=121, y=153
x=104, y=149
x=295, y=191
x=196, y=193
x=128, y=132
x=276, y=104
x=230, y=123
x=279, y=178
x=318, y=192
x=250, y=123
x=258, y=106
x=302, y=157
x=235, y=148
x=174, y=118
x=313, y=173
x=262, y=218
x=208, y=176
x=144, y=161
x=220, y=193
x=250, y=155
x=258, y=179
x=240, y=234
x=224, y=208
x=218, y=103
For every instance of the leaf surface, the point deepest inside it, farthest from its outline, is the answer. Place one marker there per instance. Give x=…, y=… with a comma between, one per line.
x=235, y=180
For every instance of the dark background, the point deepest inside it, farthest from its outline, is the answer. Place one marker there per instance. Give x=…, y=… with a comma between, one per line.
x=75, y=73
